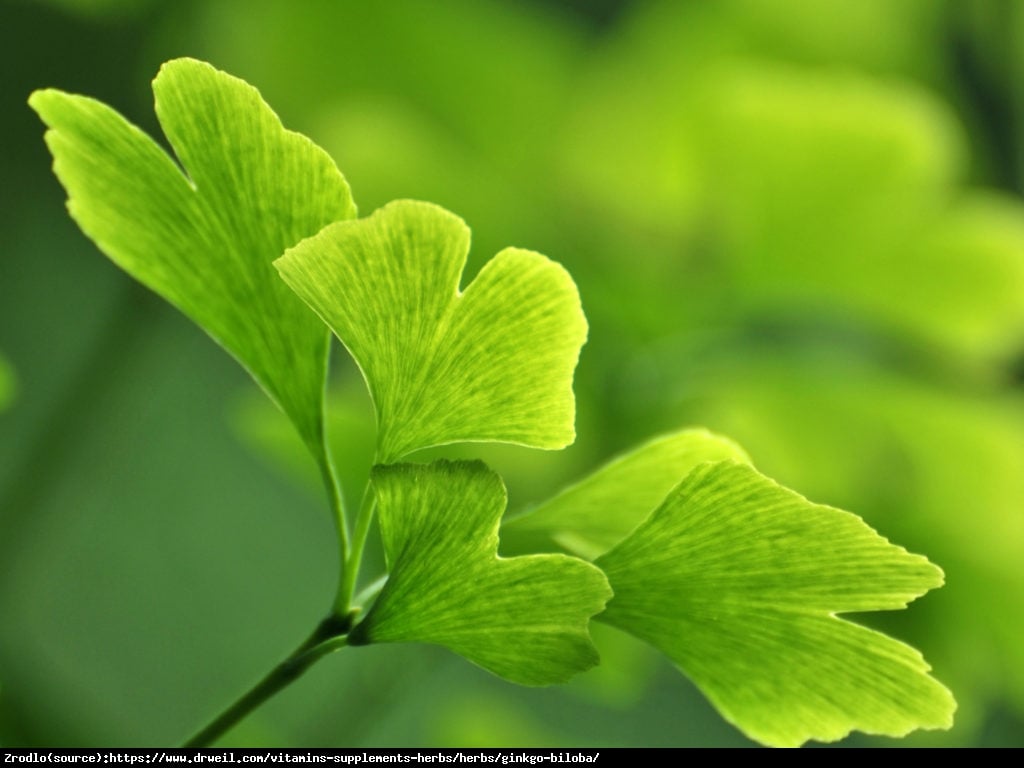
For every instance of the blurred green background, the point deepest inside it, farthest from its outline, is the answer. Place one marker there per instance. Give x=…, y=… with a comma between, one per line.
x=798, y=223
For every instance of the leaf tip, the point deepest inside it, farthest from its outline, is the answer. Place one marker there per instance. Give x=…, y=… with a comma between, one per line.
x=184, y=64
x=37, y=98
x=44, y=101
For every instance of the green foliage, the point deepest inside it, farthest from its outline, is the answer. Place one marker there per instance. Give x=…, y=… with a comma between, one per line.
x=594, y=515
x=916, y=457
x=205, y=239
x=897, y=249
x=736, y=579
x=523, y=618
x=492, y=363
x=866, y=298
x=799, y=192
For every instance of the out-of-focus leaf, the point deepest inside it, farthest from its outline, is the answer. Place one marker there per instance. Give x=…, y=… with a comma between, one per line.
x=593, y=515
x=657, y=79
x=483, y=720
x=739, y=581
x=837, y=196
x=205, y=240
x=492, y=363
x=296, y=54
x=843, y=154
x=781, y=189
x=629, y=152
x=969, y=263
x=523, y=618
x=902, y=39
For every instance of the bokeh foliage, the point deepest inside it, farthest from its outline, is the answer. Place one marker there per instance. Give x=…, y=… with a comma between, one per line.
x=797, y=224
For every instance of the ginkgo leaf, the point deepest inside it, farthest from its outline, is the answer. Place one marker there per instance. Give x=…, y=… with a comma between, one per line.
x=739, y=581
x=523, y=618
x=592, y=516
x=493, y=362
x=204, y=239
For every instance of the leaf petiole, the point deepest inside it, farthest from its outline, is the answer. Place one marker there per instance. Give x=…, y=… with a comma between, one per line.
x=350, y=569
x=369, y=593
x=334, y=499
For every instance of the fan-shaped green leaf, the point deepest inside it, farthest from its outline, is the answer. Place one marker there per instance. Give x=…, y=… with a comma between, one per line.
x=910, y=457
x=523, y=618
x=205, y=241
x=739, y=581
x=493, y=362
x=592, y=516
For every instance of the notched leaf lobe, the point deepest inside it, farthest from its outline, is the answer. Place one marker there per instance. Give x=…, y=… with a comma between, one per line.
x=494, y=362
x=522, y=618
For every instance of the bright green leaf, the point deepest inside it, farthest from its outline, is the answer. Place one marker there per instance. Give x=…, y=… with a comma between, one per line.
x=523, y=618
x=739, y=581
x=493, y=362
x=205, y=241
x=592, y=516
x=910, y=457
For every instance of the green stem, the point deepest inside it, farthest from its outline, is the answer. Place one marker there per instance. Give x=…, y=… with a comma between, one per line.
x=347, y=586
x=328, y=637
x=334, y=498
x=324, y=640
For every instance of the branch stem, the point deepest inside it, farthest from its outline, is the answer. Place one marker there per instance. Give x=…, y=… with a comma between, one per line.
x=325, y=639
